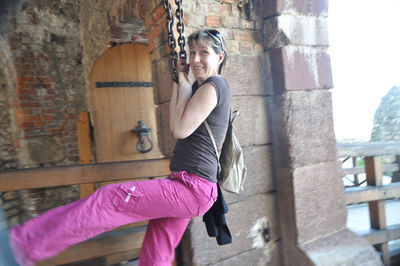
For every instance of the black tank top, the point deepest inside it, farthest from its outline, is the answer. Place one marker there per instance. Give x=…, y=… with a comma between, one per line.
x=196, y=154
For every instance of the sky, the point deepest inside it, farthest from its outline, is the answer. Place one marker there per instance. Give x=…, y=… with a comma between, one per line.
x=364, y=38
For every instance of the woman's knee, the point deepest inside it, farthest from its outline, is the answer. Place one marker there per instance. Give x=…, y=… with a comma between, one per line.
x=105, y=193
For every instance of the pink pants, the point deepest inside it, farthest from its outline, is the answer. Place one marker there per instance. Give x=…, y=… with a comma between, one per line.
x=168, y=204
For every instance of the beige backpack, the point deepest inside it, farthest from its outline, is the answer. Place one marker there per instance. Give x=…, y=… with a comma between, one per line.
x=231, y=167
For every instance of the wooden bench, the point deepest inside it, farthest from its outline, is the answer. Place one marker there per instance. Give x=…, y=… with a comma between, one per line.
x=109, y=248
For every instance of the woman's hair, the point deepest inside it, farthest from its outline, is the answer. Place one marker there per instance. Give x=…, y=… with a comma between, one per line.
x=215, y=40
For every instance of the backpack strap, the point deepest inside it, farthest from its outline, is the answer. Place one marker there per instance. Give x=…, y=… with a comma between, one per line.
x=215, y=148
x=230, y=121
x=234, y=114
x=212, y=138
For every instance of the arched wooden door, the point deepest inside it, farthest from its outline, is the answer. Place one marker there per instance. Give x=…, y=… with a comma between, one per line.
x=121, y=95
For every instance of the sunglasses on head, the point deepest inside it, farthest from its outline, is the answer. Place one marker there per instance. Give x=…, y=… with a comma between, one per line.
x=216, y=35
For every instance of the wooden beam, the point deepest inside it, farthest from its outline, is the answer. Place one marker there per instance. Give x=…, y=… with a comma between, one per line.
x=356, y=195
x=103, y=245
x=377, y=213
x=84, y=148
x=82, y=174
x=373, y=170
x=374, y=236
x=360, y=170
x=115, y=259
x=356, y=179
x=367, y=149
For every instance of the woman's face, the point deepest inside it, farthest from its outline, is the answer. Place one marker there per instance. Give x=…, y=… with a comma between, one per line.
x=203, y=60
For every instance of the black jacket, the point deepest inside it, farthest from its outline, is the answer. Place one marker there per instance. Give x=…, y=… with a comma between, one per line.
x=215, y=220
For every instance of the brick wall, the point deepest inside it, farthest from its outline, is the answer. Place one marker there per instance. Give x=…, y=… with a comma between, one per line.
x=48, y=92
x=47, y=56
x=10, y=201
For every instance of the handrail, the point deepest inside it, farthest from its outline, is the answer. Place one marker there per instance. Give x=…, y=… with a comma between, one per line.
x=81, y=174
x=368, y=149
x=393, y=167
x=355, y=195
x=375, y=193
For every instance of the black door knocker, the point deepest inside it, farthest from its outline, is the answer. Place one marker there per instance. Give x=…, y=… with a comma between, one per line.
x=142, y=130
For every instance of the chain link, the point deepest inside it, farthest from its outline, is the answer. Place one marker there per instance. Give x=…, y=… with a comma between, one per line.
x=180, y=27
x=171, y=37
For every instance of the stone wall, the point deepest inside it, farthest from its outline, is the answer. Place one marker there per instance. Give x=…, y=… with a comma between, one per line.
x=10, y=201
x=252, y=215
x=310, y=193
x=46, y=92
x=8, y=155
x=50, y=89
x=107, y=23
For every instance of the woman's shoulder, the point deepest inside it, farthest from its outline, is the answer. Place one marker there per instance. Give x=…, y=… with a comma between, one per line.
x=221, y=87
x=218, y=82
x=216, y=78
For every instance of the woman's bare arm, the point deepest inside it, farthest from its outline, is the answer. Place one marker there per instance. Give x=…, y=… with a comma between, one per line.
x=190, y=112
x=172, y=104
x=186, y=113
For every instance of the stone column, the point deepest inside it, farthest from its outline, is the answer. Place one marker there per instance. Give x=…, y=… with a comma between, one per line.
x=311, y=198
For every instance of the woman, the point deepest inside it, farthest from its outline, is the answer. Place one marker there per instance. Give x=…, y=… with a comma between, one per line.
x=189, y=191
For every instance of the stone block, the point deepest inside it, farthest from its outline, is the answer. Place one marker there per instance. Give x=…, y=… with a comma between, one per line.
x=297, y=30
x=11, y=212
x=259, y=256
x=11, y=204
x=41, y=150
x=300, y=68
x=253, y=226
x=302, y=126
x=214, y=21
x=245, y=75
x=319, y=198
x=10, y=195
x=231, y=22
x=305, y=7
x=286, y=205
x=195, y=20
x=341, y=248
x=252, y=118
x=274, y=37
x=162, y=80
x=258, y=160
x=165, y=136
x=268, y=79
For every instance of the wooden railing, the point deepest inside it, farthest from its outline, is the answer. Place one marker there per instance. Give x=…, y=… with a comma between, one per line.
x=374, y=192
x=110, y=247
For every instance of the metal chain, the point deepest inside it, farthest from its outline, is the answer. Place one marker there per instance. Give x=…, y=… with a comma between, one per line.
x=171, y=37
x=180, y=27
x=171, y=40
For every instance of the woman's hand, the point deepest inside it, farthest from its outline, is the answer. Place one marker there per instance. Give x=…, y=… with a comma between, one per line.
x=181, y=93
x=183, y=75
x=183, y=66
x=186, y=113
